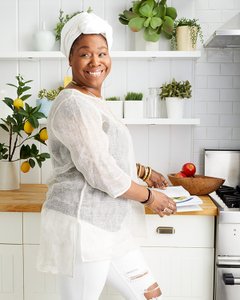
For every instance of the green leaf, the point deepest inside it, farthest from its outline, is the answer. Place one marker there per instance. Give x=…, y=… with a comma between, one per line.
x=9, y=102
x=136, y=24
x=26, y=88
x=146, y=10
x=31, y=162
x=25, y=152
x=25, y=97
x=4, y=127
x=147, y=22
x=151, y=35
x=129, y=14
x=155, y=22
x=171, y=12
x=45, y=155
x=168, y=25
x=162, y=10
x=34, y=121
x=12, y=85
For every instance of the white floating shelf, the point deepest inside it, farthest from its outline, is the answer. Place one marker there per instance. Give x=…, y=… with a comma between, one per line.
x=22, y=55
x=162, y=121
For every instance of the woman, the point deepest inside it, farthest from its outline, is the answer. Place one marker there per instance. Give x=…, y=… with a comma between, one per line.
x=93, y=199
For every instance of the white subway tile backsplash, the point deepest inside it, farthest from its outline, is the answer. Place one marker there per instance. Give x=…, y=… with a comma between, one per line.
x=219, y=133
x=200, y=107
x=236, y=82
x=202, y=4
x=208, y=16
x=237, y=54
x=201, y=82
x=226, y=144
x=227, y=15
x=198, y=159
x=207, y=94
x=221, y=55
x=226, y=107
x=208, y=69
x=236, y=133
x=230, y=69
x=213, y=107
x=200, y=145
x=236, y=107
x=220, y=107
x=236, y=4
x=200, y=133
x=230, y=94
x=230, y=120
x=220, y=81
x=208, y=120
x=221, y=4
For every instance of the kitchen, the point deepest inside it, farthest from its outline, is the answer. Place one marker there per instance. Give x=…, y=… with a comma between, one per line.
x=215, y=77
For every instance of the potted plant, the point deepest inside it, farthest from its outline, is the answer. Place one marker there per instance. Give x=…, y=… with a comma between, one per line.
x=174, y=93
x=151, y=18
x=45, y=99
x=185, y=34
x=133, y=105
x=116, y=106
x=20, y=125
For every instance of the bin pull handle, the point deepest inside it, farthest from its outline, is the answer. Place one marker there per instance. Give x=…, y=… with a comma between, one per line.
x=229, y=279
x=165, y=230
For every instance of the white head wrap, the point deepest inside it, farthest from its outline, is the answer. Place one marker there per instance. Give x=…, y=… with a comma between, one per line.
x=86, y=23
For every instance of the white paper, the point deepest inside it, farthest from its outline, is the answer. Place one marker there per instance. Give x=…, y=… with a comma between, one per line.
x=188, y=208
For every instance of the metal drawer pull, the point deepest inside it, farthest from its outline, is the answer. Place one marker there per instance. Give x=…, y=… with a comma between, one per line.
x=229, y=279
x=165, y=230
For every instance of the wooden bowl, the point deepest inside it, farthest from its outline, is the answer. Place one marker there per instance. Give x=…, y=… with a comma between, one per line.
x=197, y=185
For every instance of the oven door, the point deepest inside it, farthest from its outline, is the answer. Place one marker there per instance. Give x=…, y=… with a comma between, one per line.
x=228, y=279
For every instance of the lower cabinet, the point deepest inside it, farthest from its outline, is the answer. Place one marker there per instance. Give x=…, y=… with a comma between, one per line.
x=182, y=259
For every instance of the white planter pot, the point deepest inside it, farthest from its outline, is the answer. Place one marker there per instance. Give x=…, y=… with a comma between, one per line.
x=183, y=38
x=175, y=107
x=9, y=175
x=142, y=45
x=45, y=105
x=116, y=108
x=133, y=109
x=44, y=40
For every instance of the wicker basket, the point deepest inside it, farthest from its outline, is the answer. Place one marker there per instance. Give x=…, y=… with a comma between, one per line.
x=197, y=185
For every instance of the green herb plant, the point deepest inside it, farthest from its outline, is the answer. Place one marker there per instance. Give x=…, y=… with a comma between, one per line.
x=49, y=94
x=114, y=98
x=19, y=125
x=179, y=89
x=195, y=31
x=154, y=17
x=134, y=96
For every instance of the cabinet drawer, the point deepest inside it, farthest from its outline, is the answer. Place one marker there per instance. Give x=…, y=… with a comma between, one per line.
x=31, y=228
x=10, y=228
x=179, y=231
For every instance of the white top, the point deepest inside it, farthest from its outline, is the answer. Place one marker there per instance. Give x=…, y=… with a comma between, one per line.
x=93, y=164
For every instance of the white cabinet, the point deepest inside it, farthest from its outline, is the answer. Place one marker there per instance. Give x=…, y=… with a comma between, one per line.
x=182, y=258
x=11, y=257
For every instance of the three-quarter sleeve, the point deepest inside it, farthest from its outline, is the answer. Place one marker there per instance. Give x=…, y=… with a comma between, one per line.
x=77, y=124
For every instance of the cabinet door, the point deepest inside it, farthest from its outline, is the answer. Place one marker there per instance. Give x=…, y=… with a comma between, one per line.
x=182, y=273
x=37, y=285
x=11, y=275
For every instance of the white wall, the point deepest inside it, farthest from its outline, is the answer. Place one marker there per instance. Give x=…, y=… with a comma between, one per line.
x=215, y=77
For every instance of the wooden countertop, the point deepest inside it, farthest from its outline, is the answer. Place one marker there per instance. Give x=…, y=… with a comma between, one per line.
x=30, y=197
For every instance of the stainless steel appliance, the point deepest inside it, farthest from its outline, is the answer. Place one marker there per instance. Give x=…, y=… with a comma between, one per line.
x=226, y=164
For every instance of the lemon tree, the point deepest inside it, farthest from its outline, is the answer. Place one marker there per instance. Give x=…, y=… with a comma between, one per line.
x=20, y=125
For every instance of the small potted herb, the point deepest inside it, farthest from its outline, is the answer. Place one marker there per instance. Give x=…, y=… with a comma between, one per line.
x=133, y=105
x=46, y=97
x=116, y=106
x=185, y=34
x=174, y=93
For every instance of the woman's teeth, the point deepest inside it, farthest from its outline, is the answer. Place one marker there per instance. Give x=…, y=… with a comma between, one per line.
x=95, y=74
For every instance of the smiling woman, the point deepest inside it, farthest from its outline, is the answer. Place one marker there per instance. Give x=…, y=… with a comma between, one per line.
x=93, y=198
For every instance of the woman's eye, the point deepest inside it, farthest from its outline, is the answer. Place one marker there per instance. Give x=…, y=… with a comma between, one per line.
x=84, y=55
x=102, y=54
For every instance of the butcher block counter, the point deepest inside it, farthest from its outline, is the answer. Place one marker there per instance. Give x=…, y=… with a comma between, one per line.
x=30, y=197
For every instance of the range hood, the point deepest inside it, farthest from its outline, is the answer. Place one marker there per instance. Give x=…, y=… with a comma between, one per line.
x=227, y=36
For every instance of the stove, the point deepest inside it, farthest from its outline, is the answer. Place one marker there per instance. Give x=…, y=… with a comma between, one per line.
x=226, y=164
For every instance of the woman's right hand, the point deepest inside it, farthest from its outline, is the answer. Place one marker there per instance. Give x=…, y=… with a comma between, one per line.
x=162, y=204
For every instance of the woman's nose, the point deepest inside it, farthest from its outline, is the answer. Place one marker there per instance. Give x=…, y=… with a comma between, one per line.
x=94, y=61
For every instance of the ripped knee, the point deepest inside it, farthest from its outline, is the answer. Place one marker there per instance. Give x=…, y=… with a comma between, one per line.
x=152, y=292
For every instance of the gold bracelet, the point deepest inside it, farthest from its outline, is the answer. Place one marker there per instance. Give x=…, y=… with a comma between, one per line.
x=149, y=174
x=139, y=170
x=146, y=173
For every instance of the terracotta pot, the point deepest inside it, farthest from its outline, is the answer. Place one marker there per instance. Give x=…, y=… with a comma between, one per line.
x=9, y=175
x=184, y=38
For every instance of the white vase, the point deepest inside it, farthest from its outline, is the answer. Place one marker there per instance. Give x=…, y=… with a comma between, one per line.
x=175, y=107
x=184, y=39
x=44, y=40
x=9, y=175
x=133, y=109
x=142, y=45
x=116, y=108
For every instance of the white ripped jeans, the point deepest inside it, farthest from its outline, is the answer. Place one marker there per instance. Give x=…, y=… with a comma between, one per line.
x=129, y=274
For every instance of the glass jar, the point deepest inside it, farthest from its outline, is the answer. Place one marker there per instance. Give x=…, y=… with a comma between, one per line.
x=152, y=103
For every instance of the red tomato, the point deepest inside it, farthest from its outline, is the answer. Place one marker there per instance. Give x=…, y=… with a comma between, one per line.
x=180, y=175
x=189, y=169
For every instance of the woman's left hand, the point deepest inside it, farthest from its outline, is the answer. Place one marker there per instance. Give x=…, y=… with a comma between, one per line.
x=157, y=180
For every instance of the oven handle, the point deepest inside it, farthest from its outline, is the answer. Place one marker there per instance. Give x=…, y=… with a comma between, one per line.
x=229, y=279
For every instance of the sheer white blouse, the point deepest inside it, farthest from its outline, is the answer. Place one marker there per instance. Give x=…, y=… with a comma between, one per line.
x=93, y=164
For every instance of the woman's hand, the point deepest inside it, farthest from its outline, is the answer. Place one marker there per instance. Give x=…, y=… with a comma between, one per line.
x=162, y=204
x=157, y=180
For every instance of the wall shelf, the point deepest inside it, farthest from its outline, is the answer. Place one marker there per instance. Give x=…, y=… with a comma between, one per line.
x=32, y=55
x=153, y=121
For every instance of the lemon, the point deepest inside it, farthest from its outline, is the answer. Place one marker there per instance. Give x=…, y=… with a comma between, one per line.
x=28, y=128
x=25, y=167
x=17, y=103
x=43, y=134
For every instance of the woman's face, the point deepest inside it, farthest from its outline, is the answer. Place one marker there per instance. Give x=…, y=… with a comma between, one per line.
x=90, y=60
